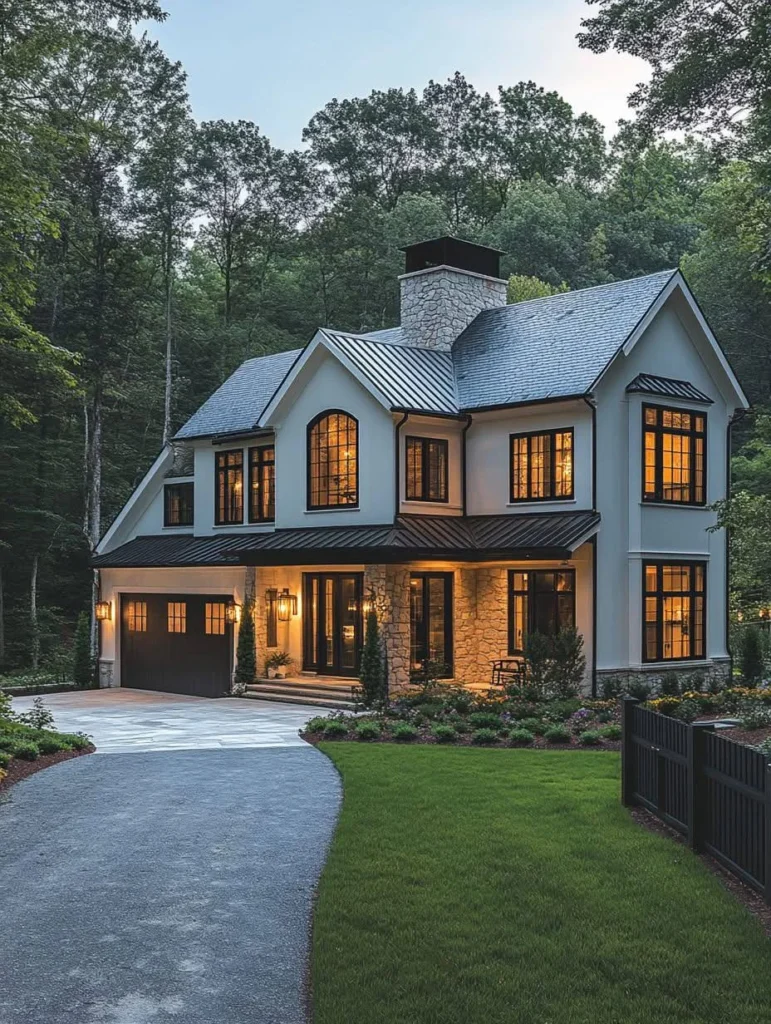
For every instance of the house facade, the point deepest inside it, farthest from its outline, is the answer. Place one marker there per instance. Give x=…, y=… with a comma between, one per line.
x=482, y=471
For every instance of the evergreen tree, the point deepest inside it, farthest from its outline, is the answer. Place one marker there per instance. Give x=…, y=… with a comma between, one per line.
x=82, y=662
x=751, y=660
x=372, y=675
x=246, y=658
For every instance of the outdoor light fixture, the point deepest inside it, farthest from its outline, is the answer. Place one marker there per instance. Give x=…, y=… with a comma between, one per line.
x=286, y=605
x=271, y=595
x=103, y=610
x=232, y=611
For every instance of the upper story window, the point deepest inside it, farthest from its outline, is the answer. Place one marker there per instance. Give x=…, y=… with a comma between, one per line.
x=674, y=454
x=262, y=484
x=541, y=466
x=426, y=470
x=333, y=461
x=229, y=498
x=675, y=624
x=178, y=504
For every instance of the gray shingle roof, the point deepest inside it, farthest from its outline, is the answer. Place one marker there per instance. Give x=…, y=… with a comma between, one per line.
x=649, y=384
x=549, y=347
x=237, y=405
x=410, y=378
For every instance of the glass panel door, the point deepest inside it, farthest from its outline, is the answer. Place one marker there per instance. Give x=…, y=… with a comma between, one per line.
x=431, y=623
x=332, y=623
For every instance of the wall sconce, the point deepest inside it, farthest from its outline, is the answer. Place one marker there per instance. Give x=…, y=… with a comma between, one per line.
x=368, y=604
x=286, y=605
x=103, y=610
x=233, y=611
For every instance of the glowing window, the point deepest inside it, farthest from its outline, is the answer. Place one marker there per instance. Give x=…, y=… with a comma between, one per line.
x=214, y=618
x=674, y=456
x=675, y=611
x=426, y=469
x=540, y=601
x=176, y=617
x=541, y=466
x=229, y=504
x=333, y=461
x=136, y=616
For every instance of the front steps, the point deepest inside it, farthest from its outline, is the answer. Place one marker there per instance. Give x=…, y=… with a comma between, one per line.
x=335, y=695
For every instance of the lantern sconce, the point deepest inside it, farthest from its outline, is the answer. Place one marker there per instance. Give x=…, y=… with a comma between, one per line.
x=233, y=611
x=103, y=611
x=286, y=605
x=368, y=603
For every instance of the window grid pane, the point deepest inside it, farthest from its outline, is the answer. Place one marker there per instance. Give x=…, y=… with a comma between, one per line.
x=262, y=484
x=176, y=617
x=426, y=469
x=542, y=601
x=178, y=504
x=674, y=627
x=542, y=466
x=333, y=461
x=674, y=456
x=214, y=618
x=136, y=616
x=230, y=487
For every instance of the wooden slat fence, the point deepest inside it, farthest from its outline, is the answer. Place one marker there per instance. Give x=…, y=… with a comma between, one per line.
x=715, y=792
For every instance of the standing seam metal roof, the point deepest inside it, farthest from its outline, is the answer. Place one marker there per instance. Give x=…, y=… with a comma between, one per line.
x=648, y=384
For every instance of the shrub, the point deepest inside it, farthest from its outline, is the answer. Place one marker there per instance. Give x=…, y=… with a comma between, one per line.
x=460, y=700
x=460, y=725
x=751, y=656
x=611, y=688
x=533, y=725
x=7, y=742
x=246, y=657
x=316, y=724
x=52, y=743
x=755, y=716
x=372, y=673
x=590, y=738
x=5, y=759
x=695, y=681
x=484, y=736
x=670, y=685
x=611, y=732
x=557, y=734
x=485, y=720
x=444, y=734
x=404, y=732
x=82, y=657
x=334, y=728
x=76, y=740
x=368, y=731
x=765, y=747
x=521, y=737
x=38, y=717
x=26, y=751
x=568, y=663
x=428, y=710
x=640, y=689
x=687, y=710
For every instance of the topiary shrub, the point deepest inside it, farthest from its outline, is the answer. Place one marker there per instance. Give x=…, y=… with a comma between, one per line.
x=557, y=734
x=246, y=656
x=444, y=734
x=483, y=737
x=372, y=672
x=334, y=729
x=368, y=731
x=404, y=732
x=751, y=662
x=521, y=737
x=590, y=738
x=26, y=751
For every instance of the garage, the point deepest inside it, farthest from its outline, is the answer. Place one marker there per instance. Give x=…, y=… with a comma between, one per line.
x=176, y=643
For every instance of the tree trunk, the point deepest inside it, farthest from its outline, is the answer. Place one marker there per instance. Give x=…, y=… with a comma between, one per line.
x=33, y=621
x=94, y=498
x=2, y=620
x=168, y=392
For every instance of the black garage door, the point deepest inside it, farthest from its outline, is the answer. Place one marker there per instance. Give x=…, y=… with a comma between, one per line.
x=180, y=643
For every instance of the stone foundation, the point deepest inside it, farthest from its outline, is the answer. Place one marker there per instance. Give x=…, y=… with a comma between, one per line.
x=719, y=669
x=106, y=674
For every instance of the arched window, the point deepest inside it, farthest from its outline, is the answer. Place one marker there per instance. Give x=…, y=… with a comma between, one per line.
x=333, y=460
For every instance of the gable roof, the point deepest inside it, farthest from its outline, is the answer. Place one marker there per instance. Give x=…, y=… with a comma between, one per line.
x=237, y=405
x=649, y=384
x=551, y=347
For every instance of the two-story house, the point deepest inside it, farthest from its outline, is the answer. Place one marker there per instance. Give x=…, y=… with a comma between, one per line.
x=481, y=471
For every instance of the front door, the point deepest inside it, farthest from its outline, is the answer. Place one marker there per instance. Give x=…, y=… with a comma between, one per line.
x=431, y=640
x=332, y=623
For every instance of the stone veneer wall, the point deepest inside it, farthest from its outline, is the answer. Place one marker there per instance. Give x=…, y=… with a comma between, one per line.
x=719, y=669
x=481, y=622
x=390, y=587
x=439, y=303
x=263, y=580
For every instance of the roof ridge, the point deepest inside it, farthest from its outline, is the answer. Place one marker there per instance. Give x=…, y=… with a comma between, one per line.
x=387, y=344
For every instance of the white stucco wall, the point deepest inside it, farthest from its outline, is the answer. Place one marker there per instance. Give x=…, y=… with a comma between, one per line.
x=631, y=531
x=487, y=456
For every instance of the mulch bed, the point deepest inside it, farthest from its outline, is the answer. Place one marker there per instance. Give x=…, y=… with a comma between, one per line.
x=462, y=741
x=746, y=895
x=19, y=769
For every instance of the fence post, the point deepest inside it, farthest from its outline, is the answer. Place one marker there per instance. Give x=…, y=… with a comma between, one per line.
x=628, y=704
x=767, y=834
x=695, y=782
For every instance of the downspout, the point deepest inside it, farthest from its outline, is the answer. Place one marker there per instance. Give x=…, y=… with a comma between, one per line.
x=738, y=414
x=397, y=463
x=592, y=405
x=463, y=497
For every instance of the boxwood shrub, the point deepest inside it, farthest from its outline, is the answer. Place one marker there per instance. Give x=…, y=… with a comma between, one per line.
x=335, y=729
x=590, y=738
x=444, y=734
x=404, y=732
x=521, y=737
x=26, y=751
x=557, y=734
x=484, y=736
x=368, y=731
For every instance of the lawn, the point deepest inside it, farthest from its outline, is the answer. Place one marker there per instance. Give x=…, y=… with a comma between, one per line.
x=480, y=885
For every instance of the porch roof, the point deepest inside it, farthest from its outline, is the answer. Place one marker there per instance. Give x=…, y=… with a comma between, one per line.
x=468, y=538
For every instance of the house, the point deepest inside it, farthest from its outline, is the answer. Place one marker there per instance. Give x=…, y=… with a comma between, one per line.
x=481, y=471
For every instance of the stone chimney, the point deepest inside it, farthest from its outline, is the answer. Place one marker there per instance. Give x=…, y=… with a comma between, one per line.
x=447, y=282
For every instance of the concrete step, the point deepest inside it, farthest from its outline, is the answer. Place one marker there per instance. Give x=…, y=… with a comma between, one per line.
x=289, y=697
x=338, y=692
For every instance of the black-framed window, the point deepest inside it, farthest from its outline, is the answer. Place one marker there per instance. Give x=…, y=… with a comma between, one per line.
x=540, y=601
x=178, y=504
x=675, y=609
x=426, y=469
x=431, y=632
x=333, y=460
x=262, y=484
x=541, y=465
x=674, y=455
x=229, y=497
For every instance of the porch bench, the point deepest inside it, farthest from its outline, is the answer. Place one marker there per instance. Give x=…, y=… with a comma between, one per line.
x=508, y=670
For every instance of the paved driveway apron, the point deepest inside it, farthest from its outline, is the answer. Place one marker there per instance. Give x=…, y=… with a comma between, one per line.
x=164, y=886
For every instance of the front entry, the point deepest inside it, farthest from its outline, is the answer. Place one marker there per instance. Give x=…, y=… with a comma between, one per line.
x=332, y=623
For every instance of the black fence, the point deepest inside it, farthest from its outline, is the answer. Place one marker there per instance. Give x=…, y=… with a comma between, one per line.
x=715, y=792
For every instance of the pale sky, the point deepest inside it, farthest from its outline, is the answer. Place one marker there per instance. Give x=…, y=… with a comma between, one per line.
x=278, y=63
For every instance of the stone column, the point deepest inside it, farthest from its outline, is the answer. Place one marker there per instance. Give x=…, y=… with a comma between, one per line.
x=466, y=661
x=390, y=587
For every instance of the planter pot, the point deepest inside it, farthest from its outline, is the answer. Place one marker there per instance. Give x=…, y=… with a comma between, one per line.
x=271, y=673
x=281, y=672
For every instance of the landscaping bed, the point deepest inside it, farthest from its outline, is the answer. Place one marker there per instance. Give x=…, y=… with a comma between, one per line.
x=28, y=742
x=750, y=706
x=510, y=885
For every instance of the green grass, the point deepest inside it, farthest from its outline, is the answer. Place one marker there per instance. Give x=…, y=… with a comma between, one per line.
x=477, y=886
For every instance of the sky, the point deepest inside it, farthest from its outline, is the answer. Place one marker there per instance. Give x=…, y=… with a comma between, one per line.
x=278, y=63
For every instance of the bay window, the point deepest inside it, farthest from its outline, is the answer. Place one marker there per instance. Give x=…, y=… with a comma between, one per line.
x=674, y=456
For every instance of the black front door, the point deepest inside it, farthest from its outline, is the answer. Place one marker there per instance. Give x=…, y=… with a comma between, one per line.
x=332, y=622
x=431, y=639
x=179, y=643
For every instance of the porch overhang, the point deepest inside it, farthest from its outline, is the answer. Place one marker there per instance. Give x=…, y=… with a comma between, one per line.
x=514, y=537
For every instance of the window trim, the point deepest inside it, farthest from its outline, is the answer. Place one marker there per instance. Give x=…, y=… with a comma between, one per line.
x=448, y=579
x=571, y=570
x=254, y=465
x=309, y=505
x=166, y=510
x=424, y=442
x=222, y=471
x=551, y=433
x=673, y=562
x=657, y=498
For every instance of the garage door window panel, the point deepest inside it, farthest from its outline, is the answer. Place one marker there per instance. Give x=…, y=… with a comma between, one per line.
x=177, y=617
x=214, y=618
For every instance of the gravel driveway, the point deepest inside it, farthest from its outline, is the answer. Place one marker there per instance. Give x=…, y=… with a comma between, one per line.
x=163, y=886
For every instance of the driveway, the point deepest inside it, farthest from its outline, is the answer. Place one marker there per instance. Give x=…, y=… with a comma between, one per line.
x=153, y=884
